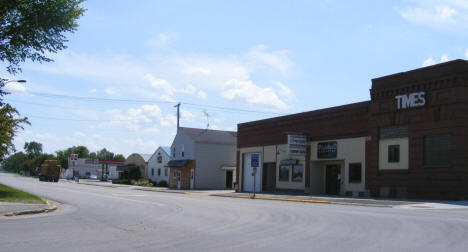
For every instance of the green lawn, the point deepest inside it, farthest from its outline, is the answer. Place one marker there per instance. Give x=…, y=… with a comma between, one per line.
x=13, y=195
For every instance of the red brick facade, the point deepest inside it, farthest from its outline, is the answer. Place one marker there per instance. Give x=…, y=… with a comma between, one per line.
x=445, y=112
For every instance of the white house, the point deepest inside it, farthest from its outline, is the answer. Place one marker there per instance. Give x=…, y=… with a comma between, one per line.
x=157, y=165
x=203, y=159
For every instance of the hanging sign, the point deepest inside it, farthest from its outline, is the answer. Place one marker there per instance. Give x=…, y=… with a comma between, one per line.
x=297, y=145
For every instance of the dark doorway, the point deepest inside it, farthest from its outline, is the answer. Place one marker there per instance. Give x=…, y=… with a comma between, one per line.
x=333, y=174
x=269, y=177
x=228, y=179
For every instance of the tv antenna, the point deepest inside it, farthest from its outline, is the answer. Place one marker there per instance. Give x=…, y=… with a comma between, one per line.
x=207, y=119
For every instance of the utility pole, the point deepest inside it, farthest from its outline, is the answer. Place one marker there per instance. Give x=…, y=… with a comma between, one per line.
x=178, y=115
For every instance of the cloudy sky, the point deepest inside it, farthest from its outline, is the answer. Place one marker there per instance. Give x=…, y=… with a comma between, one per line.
x=227, y=62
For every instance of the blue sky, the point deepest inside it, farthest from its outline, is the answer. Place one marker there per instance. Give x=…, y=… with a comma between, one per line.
x=267, y=57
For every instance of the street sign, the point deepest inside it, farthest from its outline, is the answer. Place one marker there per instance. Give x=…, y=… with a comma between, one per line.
x=254, y=160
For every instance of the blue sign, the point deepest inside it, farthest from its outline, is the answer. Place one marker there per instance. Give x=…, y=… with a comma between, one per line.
x=254, y=160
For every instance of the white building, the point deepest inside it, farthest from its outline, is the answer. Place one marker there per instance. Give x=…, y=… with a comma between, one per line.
x=203, y=159
x=157, y=165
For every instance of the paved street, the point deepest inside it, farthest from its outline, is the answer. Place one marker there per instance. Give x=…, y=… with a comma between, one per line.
x=94, y=218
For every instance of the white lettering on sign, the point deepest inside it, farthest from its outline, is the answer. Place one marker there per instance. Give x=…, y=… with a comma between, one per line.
x=412, y=100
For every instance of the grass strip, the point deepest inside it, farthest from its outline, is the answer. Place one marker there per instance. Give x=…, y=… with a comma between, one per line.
x=9, y=194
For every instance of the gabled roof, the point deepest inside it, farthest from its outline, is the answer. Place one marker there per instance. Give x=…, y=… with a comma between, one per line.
x=166, y=149
x=211, y=136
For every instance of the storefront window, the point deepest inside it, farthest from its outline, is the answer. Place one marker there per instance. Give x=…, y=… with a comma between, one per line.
x=355, y=173
x=297, y=173
x=284, y=173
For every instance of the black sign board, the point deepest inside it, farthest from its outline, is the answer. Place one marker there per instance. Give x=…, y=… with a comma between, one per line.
x=327, y=150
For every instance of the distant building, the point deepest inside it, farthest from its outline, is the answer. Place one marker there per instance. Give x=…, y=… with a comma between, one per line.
x=203, y=159
x=157, y=165
x=92, y=168
x=140, y=160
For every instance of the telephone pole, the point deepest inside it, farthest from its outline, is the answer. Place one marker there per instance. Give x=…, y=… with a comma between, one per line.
x=178, y=115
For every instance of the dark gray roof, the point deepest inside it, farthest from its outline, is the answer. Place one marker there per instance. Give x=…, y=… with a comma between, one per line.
x=211, y=136
x=177, y=163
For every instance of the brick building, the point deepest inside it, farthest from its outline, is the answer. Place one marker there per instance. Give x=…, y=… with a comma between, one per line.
x=409, y=141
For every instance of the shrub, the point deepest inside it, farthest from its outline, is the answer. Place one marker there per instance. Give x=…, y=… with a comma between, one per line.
x=141, y=182
x=162, y=183
x=134, y=172
x=121, y=181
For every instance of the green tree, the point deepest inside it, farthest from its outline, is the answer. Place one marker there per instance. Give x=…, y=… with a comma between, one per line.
x=10, y=123
x=13, y=162
x=33, y=149
x=31, y=29
x=119, y=157
x=63, y=155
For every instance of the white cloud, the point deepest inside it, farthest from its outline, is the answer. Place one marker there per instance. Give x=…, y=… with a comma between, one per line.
x=197, y=70
x=93, y=90
x=466, y=54
x=284, y=91
x=15, y=87
x=163, y=40
x=202, y=94
x=443, y=14
x=444, y=58
x=187, y=115
x=110, y=91
x=430, y=61
x=162, y=87
x=260, y=57
x=247, y=92
x=79, y=134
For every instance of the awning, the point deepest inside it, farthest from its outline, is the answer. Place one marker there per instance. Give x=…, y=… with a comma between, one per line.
x=228, y=168
x=177, y=163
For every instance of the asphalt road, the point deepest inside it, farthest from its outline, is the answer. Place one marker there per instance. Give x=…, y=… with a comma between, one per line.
x=96, y=218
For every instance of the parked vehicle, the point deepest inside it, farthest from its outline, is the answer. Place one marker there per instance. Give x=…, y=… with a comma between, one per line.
x=50, y=171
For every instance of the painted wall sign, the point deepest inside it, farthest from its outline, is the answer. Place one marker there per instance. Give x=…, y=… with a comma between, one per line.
x=297, y=145
x=289, y=161
x=417, y=99
x=327, y=150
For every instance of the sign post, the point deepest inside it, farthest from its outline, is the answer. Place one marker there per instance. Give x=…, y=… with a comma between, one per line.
x=254, y=163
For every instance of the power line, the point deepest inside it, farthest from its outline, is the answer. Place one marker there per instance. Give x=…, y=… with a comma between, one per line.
x=97, y=99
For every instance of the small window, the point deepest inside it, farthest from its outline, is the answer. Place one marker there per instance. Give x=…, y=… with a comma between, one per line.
x=394, y=153
x=152, y=172
x=284, y=173
x=355, y=175
x=175, y=174
x=173, y=152
x=183, y=154
x=165, y=171
x=437, y=150
x=159, y=158
x=159, y=172
x=297, y=173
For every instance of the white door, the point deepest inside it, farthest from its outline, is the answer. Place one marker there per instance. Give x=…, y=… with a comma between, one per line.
x=178, y=179
x=248, y=184
x=192, y=173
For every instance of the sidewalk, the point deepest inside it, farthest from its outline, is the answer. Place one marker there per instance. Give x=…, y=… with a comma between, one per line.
x=17, y=208
x=321, y=199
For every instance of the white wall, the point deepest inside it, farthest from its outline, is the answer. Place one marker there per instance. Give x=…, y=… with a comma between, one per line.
x=350, y=150
x=154, y=165
x=185, y=142
x=210, y=158
x=383, y=154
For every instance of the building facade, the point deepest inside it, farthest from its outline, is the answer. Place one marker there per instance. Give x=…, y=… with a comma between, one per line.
x=140, y=160
x=203, y=159
x=409, y=141
x=157, y=165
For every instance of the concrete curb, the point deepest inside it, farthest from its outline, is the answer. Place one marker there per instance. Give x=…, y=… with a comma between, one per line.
x=164, y=191
x=273, y=198
x=49, y=208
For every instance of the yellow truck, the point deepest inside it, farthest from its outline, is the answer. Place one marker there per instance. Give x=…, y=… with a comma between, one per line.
x=50, y=171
